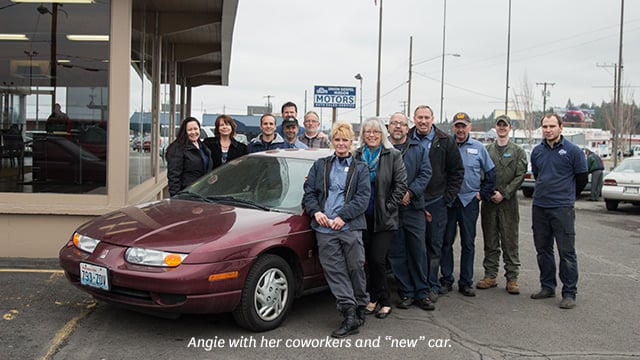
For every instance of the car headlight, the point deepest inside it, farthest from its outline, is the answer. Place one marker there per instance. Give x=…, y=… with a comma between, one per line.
x=85, y=243
x=154, y=257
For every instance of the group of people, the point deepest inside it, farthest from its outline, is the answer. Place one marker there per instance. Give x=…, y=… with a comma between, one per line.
x=403, y=196
x=189, y=157
x=404, y=193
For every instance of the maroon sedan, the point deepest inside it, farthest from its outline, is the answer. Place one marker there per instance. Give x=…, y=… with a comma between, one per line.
x=236, y=241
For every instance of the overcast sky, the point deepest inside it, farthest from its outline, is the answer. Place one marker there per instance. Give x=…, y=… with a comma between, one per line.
x=282, y=48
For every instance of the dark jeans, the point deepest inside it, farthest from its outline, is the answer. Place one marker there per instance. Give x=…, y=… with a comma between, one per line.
x=558, y=224
x=408, y=255
x=376, y=245
x=434, y=236
x=466, y=217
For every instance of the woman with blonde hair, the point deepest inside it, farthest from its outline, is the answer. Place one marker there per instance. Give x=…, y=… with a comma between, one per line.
x=336, y=193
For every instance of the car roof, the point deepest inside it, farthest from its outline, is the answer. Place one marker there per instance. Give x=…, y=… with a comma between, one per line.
x=308, y=154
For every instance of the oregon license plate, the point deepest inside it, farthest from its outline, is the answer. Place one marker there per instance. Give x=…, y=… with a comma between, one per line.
x=94, y=276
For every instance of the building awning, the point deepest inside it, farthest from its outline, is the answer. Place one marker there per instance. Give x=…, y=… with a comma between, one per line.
x=198, y=34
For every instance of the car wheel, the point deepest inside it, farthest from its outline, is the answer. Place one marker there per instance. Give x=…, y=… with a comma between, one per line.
x=527, y=192
x=611, y=204
x=267, y=294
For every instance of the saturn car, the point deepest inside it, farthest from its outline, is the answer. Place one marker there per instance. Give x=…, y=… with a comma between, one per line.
x=237, y=240
x=622, y=184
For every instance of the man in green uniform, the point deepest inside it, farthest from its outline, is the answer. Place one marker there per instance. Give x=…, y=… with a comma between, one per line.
x=500, y=217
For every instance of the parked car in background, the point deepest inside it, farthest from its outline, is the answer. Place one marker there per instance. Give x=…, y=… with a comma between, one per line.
x=235, y=241
x=207, y=132
x=622, y=184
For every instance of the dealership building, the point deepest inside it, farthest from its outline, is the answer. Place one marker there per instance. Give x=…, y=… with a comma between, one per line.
x=76, y=77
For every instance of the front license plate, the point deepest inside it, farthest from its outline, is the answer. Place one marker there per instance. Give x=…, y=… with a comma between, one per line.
x=630, y=190
x=94, y=276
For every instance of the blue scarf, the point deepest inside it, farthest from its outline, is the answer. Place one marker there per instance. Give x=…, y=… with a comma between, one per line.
x=372, y=161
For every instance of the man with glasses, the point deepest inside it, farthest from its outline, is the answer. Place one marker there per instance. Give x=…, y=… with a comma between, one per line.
x=500, y=215
x=313, y=137
x=408, y=252
x=447, y=175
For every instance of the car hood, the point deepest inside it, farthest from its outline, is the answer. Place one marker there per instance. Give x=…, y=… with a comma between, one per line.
x=182, y=225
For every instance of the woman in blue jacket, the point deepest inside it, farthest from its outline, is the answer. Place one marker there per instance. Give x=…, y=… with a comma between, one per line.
x=336, y=193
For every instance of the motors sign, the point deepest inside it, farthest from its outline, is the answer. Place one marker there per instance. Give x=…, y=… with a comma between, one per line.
x=334, y=97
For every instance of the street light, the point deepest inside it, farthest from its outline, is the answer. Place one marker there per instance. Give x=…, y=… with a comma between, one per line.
x=359, y=77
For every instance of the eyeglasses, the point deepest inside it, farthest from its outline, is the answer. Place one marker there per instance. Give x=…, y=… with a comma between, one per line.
x=373, y=132
x=398, y=123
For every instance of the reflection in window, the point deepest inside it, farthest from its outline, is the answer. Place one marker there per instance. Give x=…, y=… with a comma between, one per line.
x=140, y=124
x=53, y=97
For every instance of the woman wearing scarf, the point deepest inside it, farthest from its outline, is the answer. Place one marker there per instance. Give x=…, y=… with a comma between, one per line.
x=388, y=178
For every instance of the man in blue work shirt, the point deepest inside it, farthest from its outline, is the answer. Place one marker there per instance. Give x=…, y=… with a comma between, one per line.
x=479, y=183
x=560, y=169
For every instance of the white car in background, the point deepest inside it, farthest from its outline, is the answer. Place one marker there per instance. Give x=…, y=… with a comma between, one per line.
x=622, y=184
x=207, y=132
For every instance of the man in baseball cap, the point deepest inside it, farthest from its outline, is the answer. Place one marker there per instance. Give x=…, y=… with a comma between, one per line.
x=464, y=210
x=290, y=129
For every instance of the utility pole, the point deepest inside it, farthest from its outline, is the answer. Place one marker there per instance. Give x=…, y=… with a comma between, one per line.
x=506, y=96
x=409, y=82
x=379, y=60
x=269, y=102
x=544, y=95
x=404, y=106
x=619, y=107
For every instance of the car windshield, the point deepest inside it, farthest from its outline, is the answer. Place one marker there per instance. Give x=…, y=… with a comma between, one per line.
x=265, y=182
x=629, y=166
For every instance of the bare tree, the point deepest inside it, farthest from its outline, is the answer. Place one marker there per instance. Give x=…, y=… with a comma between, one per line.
x=523, y=105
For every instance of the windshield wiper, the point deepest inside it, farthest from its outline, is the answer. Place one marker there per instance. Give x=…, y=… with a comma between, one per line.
x=238, y=201
x=186, y=194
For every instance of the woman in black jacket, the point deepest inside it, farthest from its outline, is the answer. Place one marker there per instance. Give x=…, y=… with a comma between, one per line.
x=187, y=157
x=388, y=178
x=224, y=147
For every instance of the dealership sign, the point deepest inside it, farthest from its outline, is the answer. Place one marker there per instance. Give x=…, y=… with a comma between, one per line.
x=334, y=96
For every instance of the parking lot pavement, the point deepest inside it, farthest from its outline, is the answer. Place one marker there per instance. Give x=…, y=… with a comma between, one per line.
x=46, y=318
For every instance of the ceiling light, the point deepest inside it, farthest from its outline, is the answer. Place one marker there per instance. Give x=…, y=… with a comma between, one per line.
x=56, y=1
x=13, y=37
x=88, y=37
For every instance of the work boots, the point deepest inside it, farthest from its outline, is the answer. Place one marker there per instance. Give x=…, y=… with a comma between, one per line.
x=350, y=323
x=361, y=314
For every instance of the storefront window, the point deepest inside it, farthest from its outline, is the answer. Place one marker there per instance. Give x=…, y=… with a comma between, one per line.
x=54, y=73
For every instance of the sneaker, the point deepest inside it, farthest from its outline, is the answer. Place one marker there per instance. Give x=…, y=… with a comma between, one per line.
x=433, y=296
x=405, y=302
x=512, y=287
x=543, y=293
x=425, y=304
x=487, y=283
x=567, y=303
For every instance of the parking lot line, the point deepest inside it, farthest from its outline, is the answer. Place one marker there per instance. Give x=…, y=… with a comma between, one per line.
x=53, y=271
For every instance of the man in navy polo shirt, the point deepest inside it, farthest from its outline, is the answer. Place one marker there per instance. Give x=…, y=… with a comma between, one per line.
x=560, y=169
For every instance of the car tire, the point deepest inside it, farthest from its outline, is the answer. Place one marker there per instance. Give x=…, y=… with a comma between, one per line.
x=527, y=192
x=267, y=294
x=611, y=204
